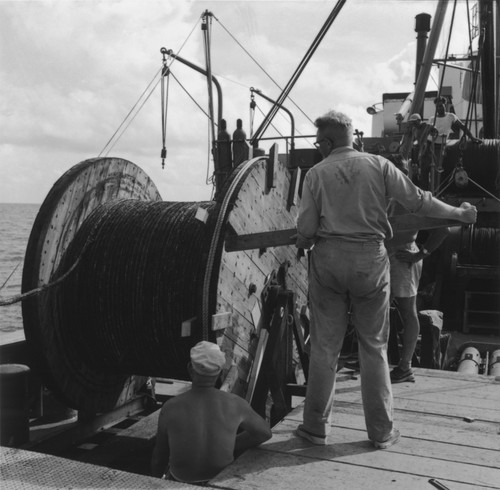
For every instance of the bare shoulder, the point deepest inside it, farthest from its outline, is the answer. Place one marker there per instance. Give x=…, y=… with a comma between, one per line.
x=174, y=404
x=238, y=402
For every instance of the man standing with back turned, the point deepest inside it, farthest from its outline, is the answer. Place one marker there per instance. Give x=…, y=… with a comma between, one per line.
x=343, y=214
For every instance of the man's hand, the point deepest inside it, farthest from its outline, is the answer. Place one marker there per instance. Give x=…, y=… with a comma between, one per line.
x=408, y=257
x=467, y=213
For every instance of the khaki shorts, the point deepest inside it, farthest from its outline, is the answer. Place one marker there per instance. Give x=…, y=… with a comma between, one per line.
x=405, y=277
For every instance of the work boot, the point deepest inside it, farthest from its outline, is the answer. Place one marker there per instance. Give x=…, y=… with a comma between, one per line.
x=399, y=375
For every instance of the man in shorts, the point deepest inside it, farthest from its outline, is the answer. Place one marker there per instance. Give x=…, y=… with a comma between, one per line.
x=406, y=268
x=406, y=259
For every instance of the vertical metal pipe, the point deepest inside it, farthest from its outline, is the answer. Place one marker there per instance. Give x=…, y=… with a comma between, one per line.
x=489, y=70
x=430, y=50
x=422, y=28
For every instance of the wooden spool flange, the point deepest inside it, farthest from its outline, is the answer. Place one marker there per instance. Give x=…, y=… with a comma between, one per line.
x=73, y=197
x=229, y=308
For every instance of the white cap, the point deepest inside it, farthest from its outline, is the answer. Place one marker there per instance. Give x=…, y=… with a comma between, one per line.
x=207, y=359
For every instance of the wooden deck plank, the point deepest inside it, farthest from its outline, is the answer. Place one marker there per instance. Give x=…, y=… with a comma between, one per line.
x=259, y=468
x=437, y=442
x=445, y=395
x=344, y=442
x=453, y=430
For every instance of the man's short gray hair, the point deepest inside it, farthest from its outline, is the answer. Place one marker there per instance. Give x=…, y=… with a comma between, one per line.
x=334, y=120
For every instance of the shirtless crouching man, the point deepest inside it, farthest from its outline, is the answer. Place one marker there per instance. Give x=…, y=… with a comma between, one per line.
x=198, y=430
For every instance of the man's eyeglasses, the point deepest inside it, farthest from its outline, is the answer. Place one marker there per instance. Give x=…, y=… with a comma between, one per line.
x=317, y=144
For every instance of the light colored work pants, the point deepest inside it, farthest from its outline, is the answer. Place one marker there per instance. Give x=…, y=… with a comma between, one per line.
x=342, y=271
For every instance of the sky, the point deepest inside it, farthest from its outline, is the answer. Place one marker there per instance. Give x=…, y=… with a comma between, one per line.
x=72, y=70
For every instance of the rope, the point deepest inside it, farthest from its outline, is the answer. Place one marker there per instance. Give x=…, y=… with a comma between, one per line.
x=20, y=297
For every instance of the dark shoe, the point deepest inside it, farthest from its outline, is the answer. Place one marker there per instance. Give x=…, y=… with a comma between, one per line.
x=354, y=365
x=400, y=376
x=393, y=439
x=317, y=439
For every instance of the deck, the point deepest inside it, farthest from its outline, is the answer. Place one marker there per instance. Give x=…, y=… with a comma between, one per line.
x=450, y=426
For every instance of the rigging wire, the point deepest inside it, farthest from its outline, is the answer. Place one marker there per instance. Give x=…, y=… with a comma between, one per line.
x=164, y=110
x=128, y=115
x=189, y=95
x=117, y=131
x=10, y=275
x=263, y=114
x=261, y=67
x=298, y=71
x=131, y=119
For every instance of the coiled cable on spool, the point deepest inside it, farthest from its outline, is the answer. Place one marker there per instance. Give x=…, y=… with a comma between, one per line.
x=122, y=311
x=473, y=168
x=484, y=246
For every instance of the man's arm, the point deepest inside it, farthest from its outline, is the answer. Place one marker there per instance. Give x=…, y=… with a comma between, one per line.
x=308, y=219
x=458, y=124
x=466, y=213
x=255, y=430
x=435, y=238
x=161, y=451
x=423, y=203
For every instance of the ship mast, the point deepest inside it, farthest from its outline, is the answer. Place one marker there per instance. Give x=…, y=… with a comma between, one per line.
x=490, y=77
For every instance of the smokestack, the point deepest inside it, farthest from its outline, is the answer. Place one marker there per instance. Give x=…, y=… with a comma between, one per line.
x=422, y=27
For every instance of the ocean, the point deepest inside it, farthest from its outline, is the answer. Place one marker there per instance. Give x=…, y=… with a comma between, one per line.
x=16, y=221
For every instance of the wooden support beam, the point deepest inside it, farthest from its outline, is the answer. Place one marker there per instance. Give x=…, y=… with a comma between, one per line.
x=265, y=239
x=279, y=238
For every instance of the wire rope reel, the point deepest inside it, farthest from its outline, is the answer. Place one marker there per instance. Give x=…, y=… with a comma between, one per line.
x=472, y=169
x=72, y=199
x=150, y=276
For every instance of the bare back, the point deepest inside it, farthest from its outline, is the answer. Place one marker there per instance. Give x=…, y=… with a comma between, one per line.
x=201, y=425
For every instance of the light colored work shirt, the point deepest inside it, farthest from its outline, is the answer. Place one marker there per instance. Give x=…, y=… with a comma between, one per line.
x=402, y=237
x=444, y=124
x=345, y=196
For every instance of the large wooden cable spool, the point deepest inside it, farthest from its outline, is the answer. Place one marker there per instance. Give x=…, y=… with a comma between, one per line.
x=149, y=277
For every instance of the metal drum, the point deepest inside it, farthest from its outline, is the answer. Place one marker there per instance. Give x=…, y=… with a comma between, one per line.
x=494, y=366
x=14, y=410
x=469, y=361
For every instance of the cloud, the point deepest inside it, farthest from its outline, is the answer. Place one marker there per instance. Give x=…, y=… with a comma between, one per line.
x=72, y=70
